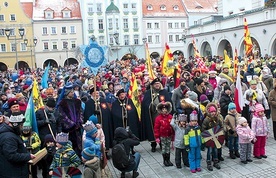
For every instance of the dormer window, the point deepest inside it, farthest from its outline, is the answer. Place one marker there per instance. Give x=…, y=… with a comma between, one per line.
x=198, y=6
x=49, y=13
x=66, y=13
x=176, y=8
x=149, y=7
x=163, y=7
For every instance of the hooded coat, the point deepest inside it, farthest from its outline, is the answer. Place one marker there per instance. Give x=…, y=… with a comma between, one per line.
x=14, y=156
x=249, y=74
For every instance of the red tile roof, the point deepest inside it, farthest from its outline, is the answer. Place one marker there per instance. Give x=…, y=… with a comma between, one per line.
x=156, y=5
x=27, y=8
x=201, y=5
x=57, y=6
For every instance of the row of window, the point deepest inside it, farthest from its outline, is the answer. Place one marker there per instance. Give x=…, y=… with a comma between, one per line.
x=156, y=38
x=63, y=30
x=98, y=8
x=12, y=17
x=162, y=7
x=112, y=24
x=170, y=25
x=46, y=46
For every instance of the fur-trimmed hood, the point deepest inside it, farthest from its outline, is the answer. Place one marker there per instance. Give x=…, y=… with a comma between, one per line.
x=208, y=107
x=167, y=104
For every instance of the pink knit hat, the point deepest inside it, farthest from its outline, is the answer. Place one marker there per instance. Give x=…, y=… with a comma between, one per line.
x=212, y=109
x=259, y=108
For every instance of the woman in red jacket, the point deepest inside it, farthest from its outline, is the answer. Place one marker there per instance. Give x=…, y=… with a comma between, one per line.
x=163, y=131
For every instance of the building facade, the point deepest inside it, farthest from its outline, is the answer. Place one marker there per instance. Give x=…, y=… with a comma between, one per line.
x=58, y=27
x=13, y=52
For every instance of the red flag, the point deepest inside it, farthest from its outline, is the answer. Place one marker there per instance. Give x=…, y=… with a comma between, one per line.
x=239, y=100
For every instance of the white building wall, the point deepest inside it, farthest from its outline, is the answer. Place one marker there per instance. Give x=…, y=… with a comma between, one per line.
x=59, y=55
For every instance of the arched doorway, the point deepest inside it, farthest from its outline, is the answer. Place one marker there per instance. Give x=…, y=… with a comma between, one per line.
x=190, y=50
x=155, y=55
x=178, y=55
x=273, y=49
x=225, y=45
x=3, y=67
x=256, y=50
x=71, y=61
x=52, y=62
x=129, y=56
x=206, y=49
x=22, y=65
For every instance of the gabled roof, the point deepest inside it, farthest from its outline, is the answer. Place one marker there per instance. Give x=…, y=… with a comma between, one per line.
x=209, y=6
x=48, y=9
x=168, y=11
x=28, y=9
x=58, y=6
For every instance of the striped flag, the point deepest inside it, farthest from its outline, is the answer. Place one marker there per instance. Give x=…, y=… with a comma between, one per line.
x=166, y=70
x=248, y=46
x=200, y=63
x=37, y=99
x=238, y=98
x=133, y=94
x=30, y=115
x=45, y=76
x=149, y=64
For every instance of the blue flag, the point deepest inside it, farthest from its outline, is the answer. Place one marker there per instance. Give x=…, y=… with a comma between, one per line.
x=44, y=81
x=30, y=115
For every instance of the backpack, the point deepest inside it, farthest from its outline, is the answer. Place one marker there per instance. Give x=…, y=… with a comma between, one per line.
x=120, y=158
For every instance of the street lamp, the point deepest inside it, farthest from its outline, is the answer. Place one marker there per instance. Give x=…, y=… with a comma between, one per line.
x=21, y=32
x=116, y=37
x=31, y=46
x=184, y=37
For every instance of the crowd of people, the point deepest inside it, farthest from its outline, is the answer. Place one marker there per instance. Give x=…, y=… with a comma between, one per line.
x=81, y=113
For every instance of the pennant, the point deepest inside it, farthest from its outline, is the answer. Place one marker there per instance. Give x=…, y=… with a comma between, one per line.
x=235, y=63
x=37, y=99
x=149, y=64
x=133, y=94
x=177, y=75
x=45, y=76
x=167, y=58
x=238, y=98
x=227, y=59
x=30, y=115
x=248, y=46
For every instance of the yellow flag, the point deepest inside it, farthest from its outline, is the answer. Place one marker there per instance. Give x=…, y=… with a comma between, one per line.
x=149, y=64
x=133, y=94
x=168, y=57
x=38, y=103
x=248, y=46
x=227, y=59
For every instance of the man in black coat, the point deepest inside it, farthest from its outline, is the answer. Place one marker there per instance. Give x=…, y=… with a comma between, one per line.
x=152, y=97
x=14, y=156
x=98, y=106
x=124, y=113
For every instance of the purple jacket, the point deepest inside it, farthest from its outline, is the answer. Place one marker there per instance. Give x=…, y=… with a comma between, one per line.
x=246, y=135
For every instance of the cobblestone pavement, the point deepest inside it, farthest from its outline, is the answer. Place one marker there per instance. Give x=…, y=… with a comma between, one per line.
x=151, y=165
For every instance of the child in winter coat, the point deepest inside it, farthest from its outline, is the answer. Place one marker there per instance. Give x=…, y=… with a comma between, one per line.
x=230, y=123
x=163, y=131
x=91, y=163
x=193, y=140
x=65, y=156
x=259, y=126
x=246, y=136
x=179, y=127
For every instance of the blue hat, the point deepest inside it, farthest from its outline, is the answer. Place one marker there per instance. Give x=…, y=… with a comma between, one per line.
x=90, y=128
x=94, y=119
x=231, y=106
x=62, y=138
x=88, y=153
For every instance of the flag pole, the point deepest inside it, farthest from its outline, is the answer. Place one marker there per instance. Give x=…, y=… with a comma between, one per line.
x=49, y=126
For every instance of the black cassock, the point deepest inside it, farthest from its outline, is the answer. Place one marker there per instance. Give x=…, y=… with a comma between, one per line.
x=147, y=114
x=104, y=118
x=125, y=114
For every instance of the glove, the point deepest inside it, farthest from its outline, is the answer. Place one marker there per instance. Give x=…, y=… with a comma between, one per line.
x=157, y=140
x=231, y=131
